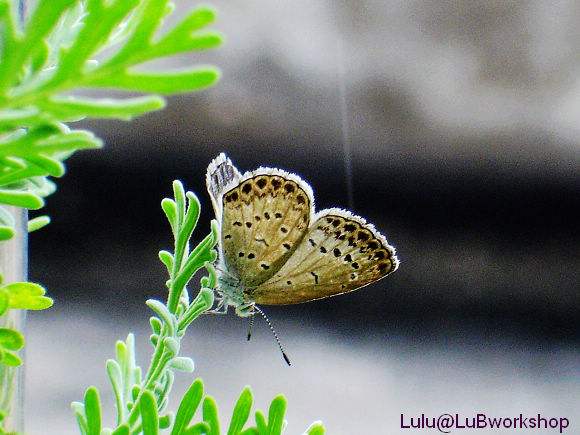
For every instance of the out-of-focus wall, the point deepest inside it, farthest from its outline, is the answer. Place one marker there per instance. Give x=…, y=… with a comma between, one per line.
x=462, y=121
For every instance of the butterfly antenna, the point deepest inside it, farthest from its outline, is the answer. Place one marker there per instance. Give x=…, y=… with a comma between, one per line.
x=274, y=333
x=250, y=325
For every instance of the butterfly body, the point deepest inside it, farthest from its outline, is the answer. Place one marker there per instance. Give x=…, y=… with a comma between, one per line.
x=275, y=250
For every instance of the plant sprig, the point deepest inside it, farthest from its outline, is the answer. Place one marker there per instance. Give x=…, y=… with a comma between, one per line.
x=141, y=400
x=67, y=45
x=18, y=296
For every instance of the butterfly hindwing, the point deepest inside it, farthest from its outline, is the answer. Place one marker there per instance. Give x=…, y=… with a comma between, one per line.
x=265, y=217
x=340, y=253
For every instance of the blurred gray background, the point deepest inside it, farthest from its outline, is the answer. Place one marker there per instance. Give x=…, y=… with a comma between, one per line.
x=454, y=126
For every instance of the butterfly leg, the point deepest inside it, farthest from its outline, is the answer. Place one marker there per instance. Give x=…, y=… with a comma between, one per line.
x=246, y=309
x=221, y=307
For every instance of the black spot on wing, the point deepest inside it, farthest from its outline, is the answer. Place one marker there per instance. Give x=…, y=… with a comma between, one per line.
x=315, y=277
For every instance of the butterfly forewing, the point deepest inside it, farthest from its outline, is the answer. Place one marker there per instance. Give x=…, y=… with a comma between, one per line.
x=220, y=174
x=265, y=217
x=340, y=253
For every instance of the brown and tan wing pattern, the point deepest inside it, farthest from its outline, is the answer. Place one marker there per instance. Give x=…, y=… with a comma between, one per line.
x=340, y=253
x=264, y=219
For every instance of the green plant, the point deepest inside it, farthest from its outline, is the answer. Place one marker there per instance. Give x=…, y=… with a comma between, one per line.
x=53, y=54
x=67, y=45
x=141, y=401
x=18, y=296
x=44, y=61
x=63, y=47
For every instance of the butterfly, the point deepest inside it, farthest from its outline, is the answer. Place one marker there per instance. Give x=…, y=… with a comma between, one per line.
x=274, y=249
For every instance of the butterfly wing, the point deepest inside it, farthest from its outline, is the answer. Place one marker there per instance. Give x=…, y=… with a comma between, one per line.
x=265, y=217
x=221, y=174
x=340, y=253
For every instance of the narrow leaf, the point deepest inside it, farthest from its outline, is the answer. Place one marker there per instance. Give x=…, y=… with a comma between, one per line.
x=276, y=415
x=74, y=108
x=241, y=412
x=316, y=428
x=93, y=411
x=11, y=339
x=27, y=296
x=182, y=364
x=170, y=209
x=167, y=259
x=201, y=428
x=121, y=430
x=261, y=423
x=10, y=359
x=187, y=407
x=21, y=199
x=4, y=304
x=6, y=233
x=155, y=325
x=166, y=83
x=163, y=313
x=210, y=415
x=165, y=421
x=38, y=223
x=149, y=416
